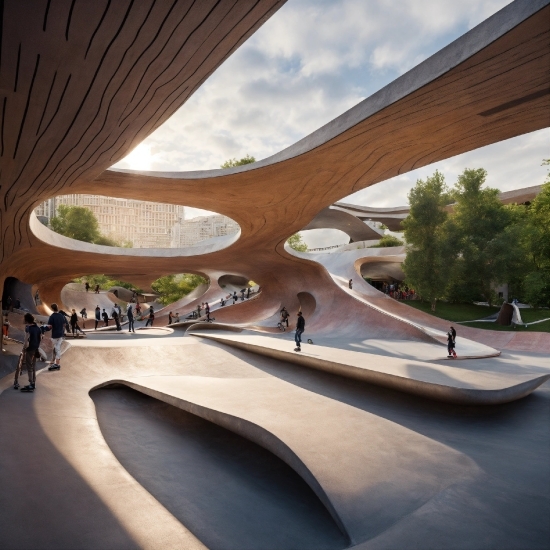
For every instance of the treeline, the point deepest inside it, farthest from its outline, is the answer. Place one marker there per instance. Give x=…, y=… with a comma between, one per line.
x=463, y=242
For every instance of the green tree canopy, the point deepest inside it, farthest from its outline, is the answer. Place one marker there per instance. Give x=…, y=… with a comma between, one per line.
x=76, y=222
x=295, y=241
x=80, y=223
x=388, y=241
x=174, y=287
x=429, y=258
x=234, y=162
x=478, y=233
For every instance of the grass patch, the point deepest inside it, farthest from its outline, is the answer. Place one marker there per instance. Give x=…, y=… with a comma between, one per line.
x=470, y=312
x=454, y=312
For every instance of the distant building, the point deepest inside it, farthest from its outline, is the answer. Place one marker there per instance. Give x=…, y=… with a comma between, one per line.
x=145, y=224
x=189, y=232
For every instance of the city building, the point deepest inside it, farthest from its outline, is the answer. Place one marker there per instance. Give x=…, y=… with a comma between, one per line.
x=189, y=232
x=145, y=224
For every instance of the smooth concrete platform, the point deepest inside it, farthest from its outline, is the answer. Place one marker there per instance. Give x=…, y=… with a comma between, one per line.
x=429, y=380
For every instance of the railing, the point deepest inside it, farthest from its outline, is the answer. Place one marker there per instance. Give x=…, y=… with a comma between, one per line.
x=325, y=248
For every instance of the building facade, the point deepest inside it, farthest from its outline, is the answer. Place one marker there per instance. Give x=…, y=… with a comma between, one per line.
x=189, y=232
x=144, y=224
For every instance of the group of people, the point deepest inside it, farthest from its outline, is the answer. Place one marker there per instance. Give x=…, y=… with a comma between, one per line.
x=394, y=291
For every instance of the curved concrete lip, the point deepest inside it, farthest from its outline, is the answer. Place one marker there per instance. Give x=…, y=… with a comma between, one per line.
x=452, y=385
x=47, y=236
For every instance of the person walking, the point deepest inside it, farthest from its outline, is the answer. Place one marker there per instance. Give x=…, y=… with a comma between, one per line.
x=87, y=286
x=451, y=335
x=243, y=290
x=74, y=324
x=248, y=293
x=300, y=327
x=105, y=317
x=235, y=297
x=130, y=314
x=97, y=316
x=199, y=310
x=170, y=318
x=56, y=323
x=33, y=337
x=151, y=317
x=350, y=283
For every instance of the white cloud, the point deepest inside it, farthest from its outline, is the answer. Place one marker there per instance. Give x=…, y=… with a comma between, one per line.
x=313, y=60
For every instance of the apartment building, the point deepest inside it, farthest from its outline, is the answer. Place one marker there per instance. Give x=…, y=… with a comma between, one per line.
x=145, y=224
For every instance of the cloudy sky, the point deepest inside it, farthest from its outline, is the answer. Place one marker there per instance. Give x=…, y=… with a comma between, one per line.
x=313, y=60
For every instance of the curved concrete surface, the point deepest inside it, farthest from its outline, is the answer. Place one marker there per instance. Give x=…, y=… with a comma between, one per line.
x=331, y=218
x=431, y=381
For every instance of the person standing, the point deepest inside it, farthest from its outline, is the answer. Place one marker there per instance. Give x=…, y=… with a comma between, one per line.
x=170, y=318
x=151, y=317
x=33, y=336
x=199, y=310
x=56, y=323
x=87, y=286
x=96, y=289
x=130, y=314
x=284, y=316
x=115, y=316
x=97, y=316
x=74, y=324
x=451, y=335
x=248, y=293
x=176, y=317
x=235, y=297
x=300, y=327
x=105, y=317
x=350, y=283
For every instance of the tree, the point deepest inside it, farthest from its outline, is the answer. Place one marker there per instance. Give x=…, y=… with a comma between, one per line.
x=429, y=256
x=478, y=231
x=536, y=284
x=388, y=241
x=295, y=241
x=80, y=223
x=231, y=163
x=172, y=288
x=76, y=222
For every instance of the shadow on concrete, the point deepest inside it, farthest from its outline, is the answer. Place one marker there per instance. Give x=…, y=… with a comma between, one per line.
x=508, y=506
x=228, y=491
x=45, y=503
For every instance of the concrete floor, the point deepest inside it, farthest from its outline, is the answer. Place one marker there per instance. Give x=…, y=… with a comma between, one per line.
x=124, y=470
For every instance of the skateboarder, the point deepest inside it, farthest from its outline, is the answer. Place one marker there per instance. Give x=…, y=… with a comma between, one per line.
x=74, y=324
x=56, y=323
x=300, y=327
x=451, y=335
x=33, y=336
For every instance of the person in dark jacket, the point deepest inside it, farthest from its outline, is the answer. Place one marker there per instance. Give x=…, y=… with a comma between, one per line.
x=300, y=327
x=105, y=317
x=451, y=335
x=130, y=314
x=115, y=316
x=97, y=316
x=75, y=329
x=151, y=317
x=33, y=337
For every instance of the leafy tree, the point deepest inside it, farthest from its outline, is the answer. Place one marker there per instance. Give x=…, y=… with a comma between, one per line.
x=388, y=241
x=80, y=223
x=479, y=230
x=429, y=255
x=174, y=287
x=105, y=282
x=536, y=284
x=295, y=241
x=234, y=162
x=76, y=222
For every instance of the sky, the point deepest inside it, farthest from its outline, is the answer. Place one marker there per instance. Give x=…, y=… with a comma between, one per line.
x=309, y=63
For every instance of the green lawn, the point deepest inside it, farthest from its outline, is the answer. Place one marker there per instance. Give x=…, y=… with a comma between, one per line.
x=470, y=312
